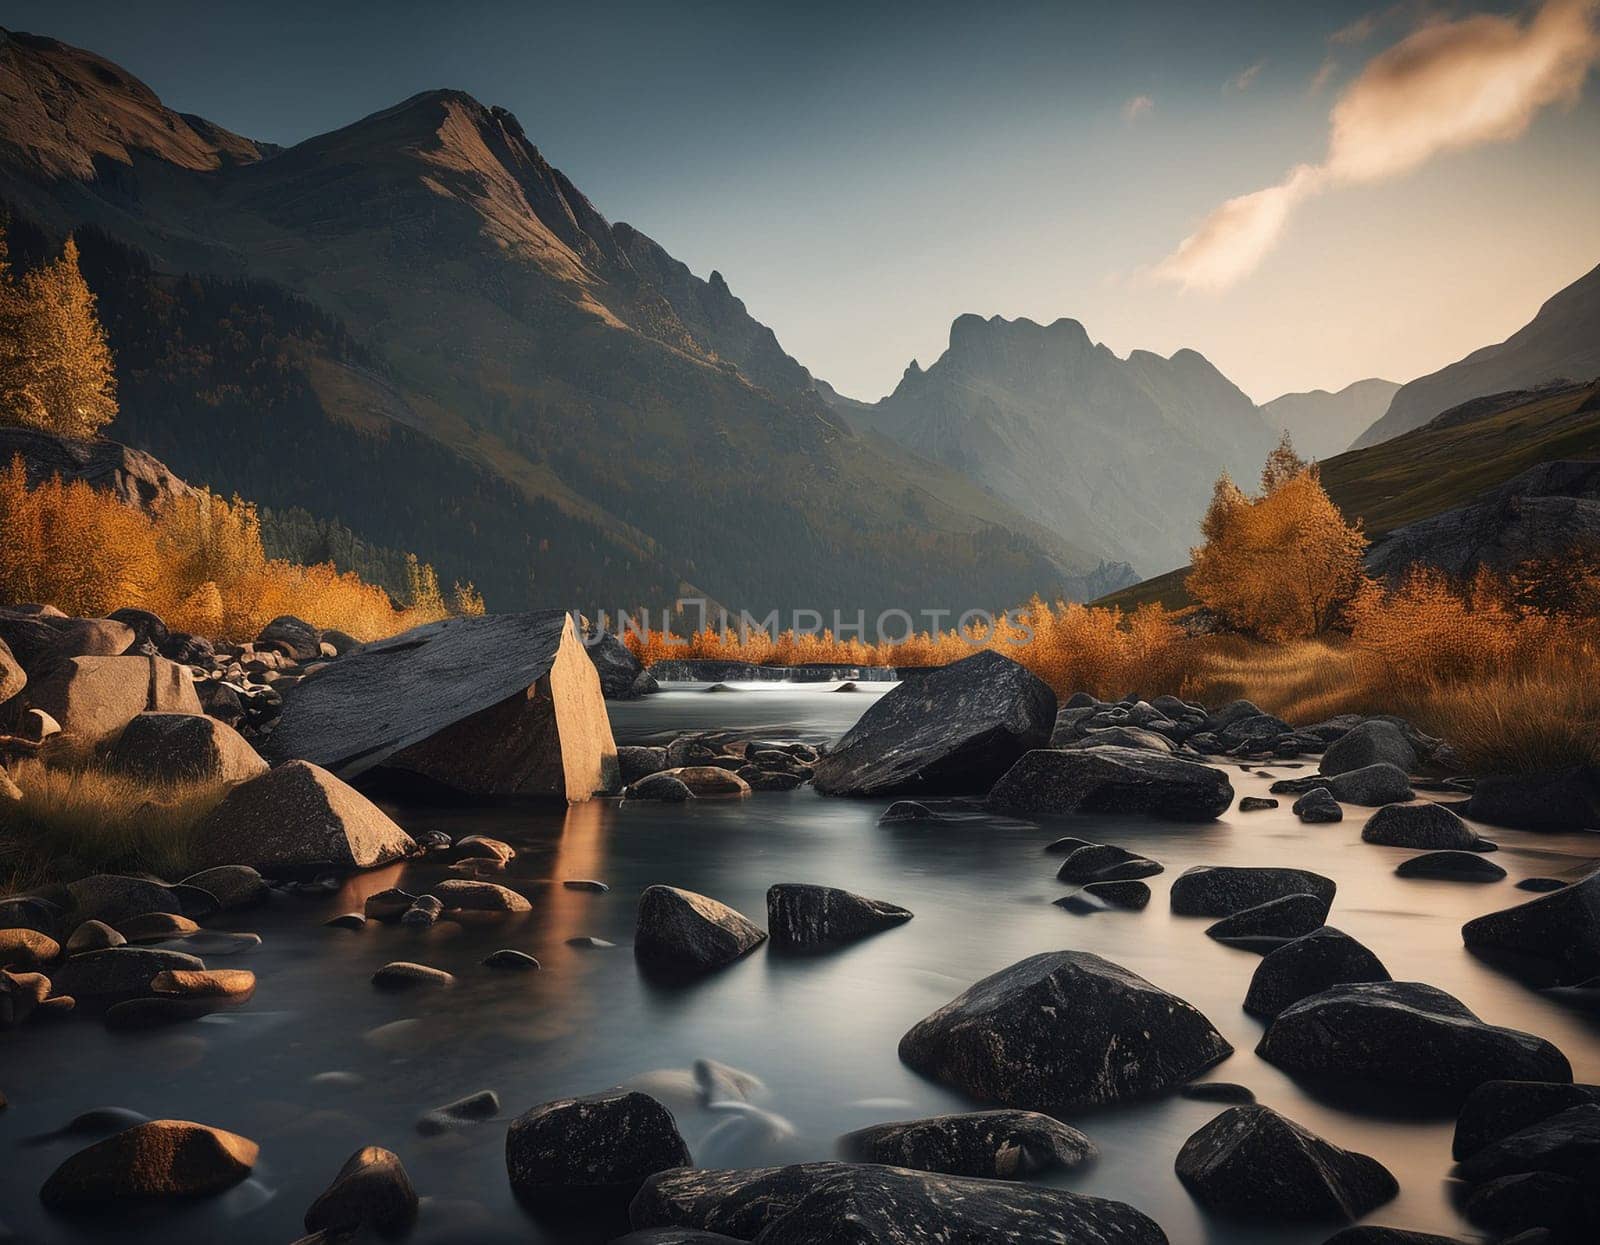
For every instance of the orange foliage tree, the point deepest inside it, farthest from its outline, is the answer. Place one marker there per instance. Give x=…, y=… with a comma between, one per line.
x=1282, y=564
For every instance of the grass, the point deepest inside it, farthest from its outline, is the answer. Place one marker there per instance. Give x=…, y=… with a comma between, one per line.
x=83, y=818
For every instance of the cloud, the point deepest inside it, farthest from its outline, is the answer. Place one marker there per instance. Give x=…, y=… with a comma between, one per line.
x=1138, y=106
x=1358, y=31
x=1246, y=77
x=1448, y=86
x=1323, y=76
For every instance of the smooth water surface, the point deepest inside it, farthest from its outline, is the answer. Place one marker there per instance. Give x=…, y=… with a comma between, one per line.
x=820, y=1031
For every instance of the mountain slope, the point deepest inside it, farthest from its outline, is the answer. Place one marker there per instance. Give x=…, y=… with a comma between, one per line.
x=1323, y=424
x=1117, y=454
x=490, y=311
x=1561, y=342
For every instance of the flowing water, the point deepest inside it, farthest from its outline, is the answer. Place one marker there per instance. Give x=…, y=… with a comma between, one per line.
x=321, y=1063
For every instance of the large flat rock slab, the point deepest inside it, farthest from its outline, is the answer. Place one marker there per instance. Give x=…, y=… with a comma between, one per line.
x=507, y=704
x=1109, y=779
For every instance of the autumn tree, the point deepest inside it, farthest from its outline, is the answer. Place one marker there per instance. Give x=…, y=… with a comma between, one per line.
x=55, y=366
x=1282, y=564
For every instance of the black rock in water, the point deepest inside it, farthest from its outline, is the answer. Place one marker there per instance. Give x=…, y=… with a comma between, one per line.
x=372, y=1191
x=1105, y=862
x=1406, y=1038
x=1370, y=786
x=1540, y=886
x=1062, y=1030
x=1372, y=741
x=1373, y=1234
x=1222, y=890
x=1066, y=846
x=804, y=916
x=1424, y=826
x=952, y=731
x=1496, y=1109
x=1256, y=804
x=1528, y=1201
x=1567, y=1143
x=1048, y=783
x=996, y=1145
x=1564, y=801
x=1292, y=916
x=1309, y=965
x=1218, y=1091
x=1252, y=1163
x=907, y=810
x=680, y=931
x=665, y=788
x=1451, y=867
x=635, y=762
x=1558, y=933
x=591, y=1151
x=1120, y=894
x=1318, y=807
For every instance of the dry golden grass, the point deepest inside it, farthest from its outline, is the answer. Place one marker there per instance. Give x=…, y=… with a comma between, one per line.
x=96, y=820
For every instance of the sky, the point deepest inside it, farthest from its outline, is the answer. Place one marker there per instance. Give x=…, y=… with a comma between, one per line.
x=1308, y=194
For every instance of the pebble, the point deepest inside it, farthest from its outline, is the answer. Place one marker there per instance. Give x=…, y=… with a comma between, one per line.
x=403, y=975
x=507, y=958
x=588, y=942
x=585, y=884
x=347, y=920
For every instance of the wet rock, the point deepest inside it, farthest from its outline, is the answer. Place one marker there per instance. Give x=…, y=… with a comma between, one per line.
x=156, y=927
x=183, y=747
x=1066, y=846
x=955, y=730
x=1252, y=1163
x=1497, y=1109
x=118, y=971
x=481, y=847
x=805, y=916
x=1290, y=917
x=1372, y=741
x=1256, y=804
x=678, y=930
x=28, y=948
x=1118, y=737
x=93, y=936
x=1563, y=801
x=506, y=957
x=588, y=885
x=998, y=1145
x=465, y=895
x=21, y=994
x=94, y=698
x=424, y=911
x=1558, y=933
x=634, y=763
x=462, y=1113
x=660, y=787
x=1423, y=826
x=1451, y=866
x=1105, y=862
x=1541, y=886
x=1370, y=786
x=702, y=781
x=233, y=984
x=132, y=1015
x=1309, y=965
x=388, y=905
x=1222, y=890
x=593, y=1150
x=1567, y=1143
x=1133, y=896
x=404, y=975
x=298, y=816
x=161, y=1159
x=501, y=704
x=114, y=898
x=1063, y=1030
x=1527, y=1200
x=371, y=1190
x=1218, y=1091
x=346, y=920
x=1111, y=780
x=1406, y=1038
x=588, y=942
x=907, y=810
x=1318, y=807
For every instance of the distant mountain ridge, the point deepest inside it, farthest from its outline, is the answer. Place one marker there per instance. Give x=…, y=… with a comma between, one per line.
x=1323, y=424
x=553, y=405
x=1121, y=453
x=1561, y=342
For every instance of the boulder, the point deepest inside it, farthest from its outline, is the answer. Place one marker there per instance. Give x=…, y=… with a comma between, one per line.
x=1063, y=1030
x=617, y=668
x=93, y=936
x=1562, y=801
x=1222, y=890
x=1118, y=737
x=1252, y=1163
x=39, y=641
x=996, y=1145
x=680, y=931
x=1406, y=1039
x=28, y=948
x=12, y=676
x=183, y=747
x=233, y=984
x=955, y=730
x=1318, y=807
x=805, y=916
x=114, y=897
x=161, y=1159
x=1372, y=741
x=1451, y=867
x=1252, y=733
x=235, y=886
x=634, y=763
x=297, y=816
x=1046, y=782
x=1370, y=786
x=1106, y=862
x=462, y=1113
x=119, y=971
x=468, y=895
x=1309, y=965
x=701, y=780
x=1567, y=1143
x=842, y=1203
x=94, y=698
x=371, y=1191
x=1256, y=804
x=1526, y=1201
x=1287, y=918
x=504, y=704
x=578, y=1152
x=1497, y=1109
x=1424, y=825
x=1557, y=934
x=1134, y=896
x=663, y=788
x=294, y=637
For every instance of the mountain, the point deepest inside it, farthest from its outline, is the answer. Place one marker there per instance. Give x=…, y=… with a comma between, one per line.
x=1561, y=342
x=1322, y=424
x=1118, y=454
x=419, y=328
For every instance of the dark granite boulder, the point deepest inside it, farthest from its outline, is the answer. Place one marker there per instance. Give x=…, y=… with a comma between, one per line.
x=1135, y=896
x=1286, y=918
x=804, y=916
x=996, y=1145
x=294, y=637
x=1318, y=807
x=1496, y=1109
x=1406, y=1038
x=1222, y=890
x=372, y=1191
x=952, y=731
x=1564, y=801
x=1046, y=783
x=591, y=1151
x=1252, y=1163
x=1063, y=1030
x=1309, y=965
x=1424, y=826
x=1557, y=934
x=680, y=931
x=1369, y=786
x=1105, y=862
x=1451, y=867
x=1372, y=741
x=1567, y=1143
x=618, y=669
